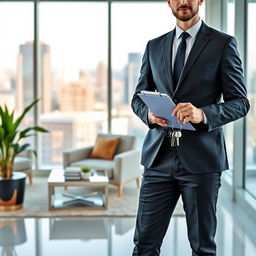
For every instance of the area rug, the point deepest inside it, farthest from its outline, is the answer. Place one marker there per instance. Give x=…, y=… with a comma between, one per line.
x=36, y=203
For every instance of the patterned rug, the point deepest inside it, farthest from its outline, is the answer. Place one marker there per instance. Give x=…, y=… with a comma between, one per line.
x=36, y=203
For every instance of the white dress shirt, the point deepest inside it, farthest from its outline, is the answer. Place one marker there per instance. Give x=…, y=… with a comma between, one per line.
x=190, y=42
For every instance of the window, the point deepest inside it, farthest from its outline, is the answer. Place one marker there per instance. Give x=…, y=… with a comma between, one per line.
x=229, y=128
x=16, y=61
x=231, y=17
x=72, y=66
x=73, y=76
x=250, y=176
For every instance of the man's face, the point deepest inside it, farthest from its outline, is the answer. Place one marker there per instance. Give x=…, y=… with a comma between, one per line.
x=184, y=10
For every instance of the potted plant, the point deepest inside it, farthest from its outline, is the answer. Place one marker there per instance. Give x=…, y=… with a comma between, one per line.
x=12, y=184
x=86, y=172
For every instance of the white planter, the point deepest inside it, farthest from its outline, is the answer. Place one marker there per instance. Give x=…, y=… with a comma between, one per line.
x=86, y=175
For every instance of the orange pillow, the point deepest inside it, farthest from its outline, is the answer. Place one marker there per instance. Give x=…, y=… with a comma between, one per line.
x=104, y=148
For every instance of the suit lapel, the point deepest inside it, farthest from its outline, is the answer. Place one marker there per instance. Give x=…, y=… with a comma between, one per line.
x=167, y=53
x=202, y=39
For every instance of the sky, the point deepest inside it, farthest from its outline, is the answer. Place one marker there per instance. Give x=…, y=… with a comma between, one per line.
x=77, y=32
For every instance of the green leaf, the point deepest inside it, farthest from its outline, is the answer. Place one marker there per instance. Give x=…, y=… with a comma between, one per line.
x=10, y=137
x=23, y=133
x=23, y=147
x=1, y=133
x=34, y=152
x=7, y=120
x=6, y=110
x=39, y=129
x=15, y=147
x=18, y=121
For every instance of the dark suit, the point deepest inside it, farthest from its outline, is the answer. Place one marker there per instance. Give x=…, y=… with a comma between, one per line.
x=213, y=70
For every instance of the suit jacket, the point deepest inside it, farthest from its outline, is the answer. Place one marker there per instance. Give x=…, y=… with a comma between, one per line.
x=212, y=72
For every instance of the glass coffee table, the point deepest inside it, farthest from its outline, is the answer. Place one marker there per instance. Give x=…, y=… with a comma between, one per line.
x=95, y=198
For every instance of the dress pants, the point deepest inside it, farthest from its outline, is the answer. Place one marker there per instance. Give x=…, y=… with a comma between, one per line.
x=161, y=187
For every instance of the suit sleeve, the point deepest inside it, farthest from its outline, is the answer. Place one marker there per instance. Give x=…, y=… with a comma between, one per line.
x=236, y=104
x=145, y=82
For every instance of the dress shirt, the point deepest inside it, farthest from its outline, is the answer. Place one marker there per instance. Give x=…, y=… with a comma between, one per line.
x=190, y=42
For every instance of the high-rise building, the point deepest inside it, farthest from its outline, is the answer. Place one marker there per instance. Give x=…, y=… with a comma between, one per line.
x=6, y=91
x=132, y=71
x=76, y=96
x=69, y=130
x=25, y=76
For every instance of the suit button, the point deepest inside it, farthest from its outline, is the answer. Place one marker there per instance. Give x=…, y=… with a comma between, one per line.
x=175, y=101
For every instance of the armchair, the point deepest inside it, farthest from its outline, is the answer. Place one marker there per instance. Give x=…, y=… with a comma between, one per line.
x=124, y=167
x=23, y=163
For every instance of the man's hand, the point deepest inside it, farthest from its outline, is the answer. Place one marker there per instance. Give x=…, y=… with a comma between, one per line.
x=156, y=120
x=186, y=112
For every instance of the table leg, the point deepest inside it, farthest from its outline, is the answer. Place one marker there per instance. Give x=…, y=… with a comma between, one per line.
x=106, y=196
x=50, y=194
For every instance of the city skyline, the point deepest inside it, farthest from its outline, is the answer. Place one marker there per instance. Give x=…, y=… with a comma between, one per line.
x=70, y=109
x=86, y=44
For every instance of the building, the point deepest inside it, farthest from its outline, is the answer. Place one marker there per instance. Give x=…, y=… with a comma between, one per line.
x=132, y=71
x=25, y=83
x=81, y=129
x=76, y=96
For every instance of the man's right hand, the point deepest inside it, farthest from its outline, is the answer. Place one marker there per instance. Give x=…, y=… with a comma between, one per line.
x=156, y=120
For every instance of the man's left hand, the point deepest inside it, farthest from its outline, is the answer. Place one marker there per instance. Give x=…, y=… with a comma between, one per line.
x=186, y=112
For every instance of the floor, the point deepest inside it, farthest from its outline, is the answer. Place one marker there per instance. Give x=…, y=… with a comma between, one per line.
x=236, y=235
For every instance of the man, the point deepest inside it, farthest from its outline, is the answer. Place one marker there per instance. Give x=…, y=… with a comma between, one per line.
x=196, y=66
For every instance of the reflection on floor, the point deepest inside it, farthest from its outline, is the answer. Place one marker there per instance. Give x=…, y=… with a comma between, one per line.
x=250, y=181
x=236, y=235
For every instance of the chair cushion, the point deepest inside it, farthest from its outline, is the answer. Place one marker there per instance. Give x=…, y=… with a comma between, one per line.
x=107, y=165
x=22, y=163
x=104, y=148
x=127, y=141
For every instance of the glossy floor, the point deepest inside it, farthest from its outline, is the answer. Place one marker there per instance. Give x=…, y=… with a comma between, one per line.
x=236, y=235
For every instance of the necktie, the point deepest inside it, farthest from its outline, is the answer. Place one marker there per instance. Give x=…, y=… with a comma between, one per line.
x=180, y=59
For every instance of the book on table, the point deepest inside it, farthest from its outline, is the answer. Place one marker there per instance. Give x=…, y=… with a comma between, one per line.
x=73, y=178
x=72, y=169
x=72, y=173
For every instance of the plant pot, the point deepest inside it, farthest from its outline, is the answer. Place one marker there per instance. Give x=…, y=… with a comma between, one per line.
x=86, y=175
x=12, y=192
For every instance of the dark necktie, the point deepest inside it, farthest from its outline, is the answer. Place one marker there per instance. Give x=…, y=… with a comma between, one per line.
x=180, y=59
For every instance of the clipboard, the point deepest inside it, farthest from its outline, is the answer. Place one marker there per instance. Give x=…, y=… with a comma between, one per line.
x=162, y=105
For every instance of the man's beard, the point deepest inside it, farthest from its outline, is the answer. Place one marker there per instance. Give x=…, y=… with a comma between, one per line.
x=186, y=17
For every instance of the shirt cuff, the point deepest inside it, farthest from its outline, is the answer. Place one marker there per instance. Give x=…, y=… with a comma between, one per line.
x=205, y=118
x=149, y=119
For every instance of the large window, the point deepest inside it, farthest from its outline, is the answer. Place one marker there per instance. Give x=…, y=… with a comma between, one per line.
x=229, y=128
x=250, y=177
x=73, y=77
x=231, y=17
x=16, y=60
x=128, y=46
x=72, y=66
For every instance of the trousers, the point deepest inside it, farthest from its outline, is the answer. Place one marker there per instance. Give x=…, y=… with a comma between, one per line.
x=161, y=187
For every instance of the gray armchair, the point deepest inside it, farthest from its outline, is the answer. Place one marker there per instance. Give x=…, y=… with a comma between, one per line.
x=123, y=168
x=23, y=163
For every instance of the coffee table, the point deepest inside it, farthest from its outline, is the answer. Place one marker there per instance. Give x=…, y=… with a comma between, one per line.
x=96, y=199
